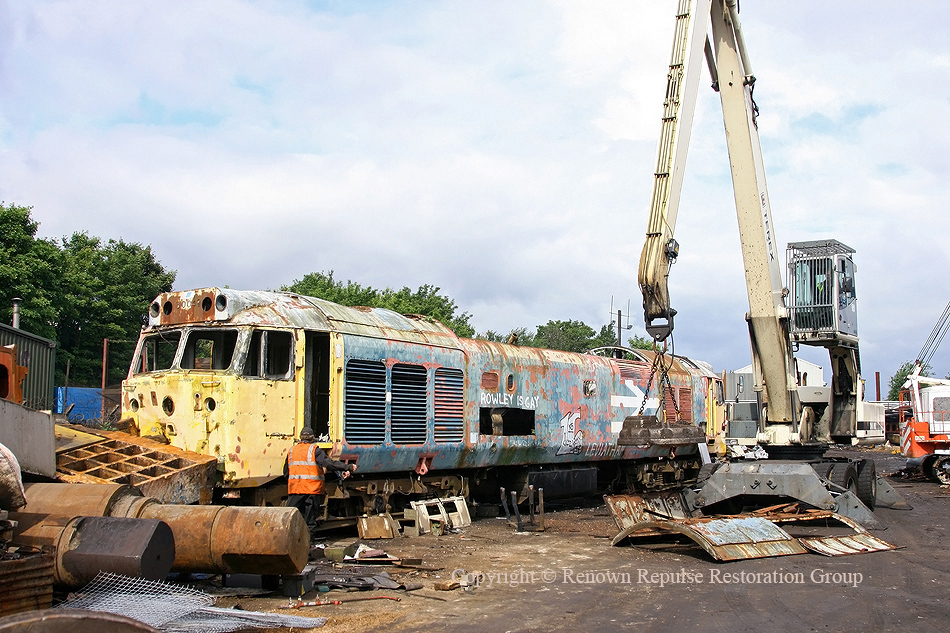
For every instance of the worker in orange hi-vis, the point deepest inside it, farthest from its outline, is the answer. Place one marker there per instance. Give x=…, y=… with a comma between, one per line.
x=306, y=468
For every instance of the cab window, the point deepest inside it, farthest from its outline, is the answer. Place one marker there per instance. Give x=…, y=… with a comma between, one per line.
x=270, y=355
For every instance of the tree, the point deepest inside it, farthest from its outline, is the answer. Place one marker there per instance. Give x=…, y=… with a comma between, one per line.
x=426, y=300
x=569, y=336
x=77, y=292
x=897, y=380
x=29, y=269
x=639, y=342
x=106, y=291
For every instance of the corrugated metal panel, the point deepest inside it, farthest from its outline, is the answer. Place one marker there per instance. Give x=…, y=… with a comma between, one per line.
x=860, y=543
x=685, y=395
x=449, y=405
x=364, y=402
x=26, y=583
x=407, y=411
x=39, y=356
x=726, y=539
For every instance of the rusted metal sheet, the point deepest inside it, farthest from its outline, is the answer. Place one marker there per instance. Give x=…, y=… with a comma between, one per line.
x=26, y=583
x=69, y=437
x=629, y=510
x=72, y=621
x=861, y=543
x=166, y=473
x=727, y=539
x=753, y=535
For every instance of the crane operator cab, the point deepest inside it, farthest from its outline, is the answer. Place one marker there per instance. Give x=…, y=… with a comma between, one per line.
x=824, y=306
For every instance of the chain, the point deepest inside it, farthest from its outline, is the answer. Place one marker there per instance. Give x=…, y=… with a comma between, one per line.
x=664, y=384
x=646, y=390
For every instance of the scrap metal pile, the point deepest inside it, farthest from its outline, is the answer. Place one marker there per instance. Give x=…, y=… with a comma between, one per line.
x=756, y=534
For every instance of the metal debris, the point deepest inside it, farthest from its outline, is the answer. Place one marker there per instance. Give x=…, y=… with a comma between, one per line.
x=435, y=516
x=736, y=537
x=536, y=521
x=173, y=608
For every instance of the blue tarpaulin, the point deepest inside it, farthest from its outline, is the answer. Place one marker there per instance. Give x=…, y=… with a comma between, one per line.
x=88, y=403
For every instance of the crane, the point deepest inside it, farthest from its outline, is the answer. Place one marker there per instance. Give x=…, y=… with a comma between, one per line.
x=775, y=328
x=821, y=310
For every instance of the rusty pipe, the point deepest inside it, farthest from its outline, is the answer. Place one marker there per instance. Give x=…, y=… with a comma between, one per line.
x=223, y=539
x=83, y=546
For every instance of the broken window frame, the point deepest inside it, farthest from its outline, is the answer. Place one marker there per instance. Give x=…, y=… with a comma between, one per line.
x=145, y=356
x=258, y=346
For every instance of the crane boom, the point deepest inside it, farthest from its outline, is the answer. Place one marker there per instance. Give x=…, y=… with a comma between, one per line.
x=768, y=316
x=682, y=84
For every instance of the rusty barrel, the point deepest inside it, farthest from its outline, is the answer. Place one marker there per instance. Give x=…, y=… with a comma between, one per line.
x=235, y=539
x=225, y=539
x=85, y=545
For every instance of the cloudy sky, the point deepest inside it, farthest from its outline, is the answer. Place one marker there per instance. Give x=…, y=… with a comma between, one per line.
x=502, y=151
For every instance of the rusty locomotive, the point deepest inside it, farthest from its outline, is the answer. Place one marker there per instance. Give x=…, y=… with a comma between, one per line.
x=236, y=375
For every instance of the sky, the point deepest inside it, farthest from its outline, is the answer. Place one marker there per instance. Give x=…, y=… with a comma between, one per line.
x=502, y=151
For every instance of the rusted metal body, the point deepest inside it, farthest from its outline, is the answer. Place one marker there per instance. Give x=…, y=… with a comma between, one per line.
x=167, y=473
x=12, y=375
x=236, y=375
x=26, y=583
x=235, y=540
x=227, y=539
x=735, y=537
x=86, y=545
x=36, y=357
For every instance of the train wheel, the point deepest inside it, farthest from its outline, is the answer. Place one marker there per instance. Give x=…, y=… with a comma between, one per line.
x=867, y=482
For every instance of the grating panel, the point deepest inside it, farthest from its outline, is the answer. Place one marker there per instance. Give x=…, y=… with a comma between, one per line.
x=686, y=404
x=408, y=408
x=449, y=405
x=364, y=402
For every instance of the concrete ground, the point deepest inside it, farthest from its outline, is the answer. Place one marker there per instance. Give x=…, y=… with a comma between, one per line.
x=570, y=578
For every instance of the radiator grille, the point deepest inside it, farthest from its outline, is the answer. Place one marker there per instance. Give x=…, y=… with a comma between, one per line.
x=408, y=408
x=365, y=402
x=449, y=405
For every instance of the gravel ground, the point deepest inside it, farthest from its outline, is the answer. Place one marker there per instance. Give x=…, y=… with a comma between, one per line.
x=570, y=578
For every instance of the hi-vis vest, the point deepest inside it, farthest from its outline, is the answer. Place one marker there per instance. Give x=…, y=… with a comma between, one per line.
x=305, y=477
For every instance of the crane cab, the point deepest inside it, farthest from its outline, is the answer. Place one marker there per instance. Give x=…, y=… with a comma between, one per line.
x=824, y=301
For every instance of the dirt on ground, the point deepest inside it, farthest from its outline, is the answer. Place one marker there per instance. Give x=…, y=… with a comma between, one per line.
x=569, y=577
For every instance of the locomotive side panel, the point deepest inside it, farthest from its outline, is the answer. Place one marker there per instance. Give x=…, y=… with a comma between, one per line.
x=401, y=405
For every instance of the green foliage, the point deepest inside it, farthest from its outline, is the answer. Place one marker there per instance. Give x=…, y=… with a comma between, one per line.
x=639, y=342
x=78, y=292
x=29, y=269
x=426, y=300
x=107, y=288
x=567, y=336
x=607, y=336
x=900, y=376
